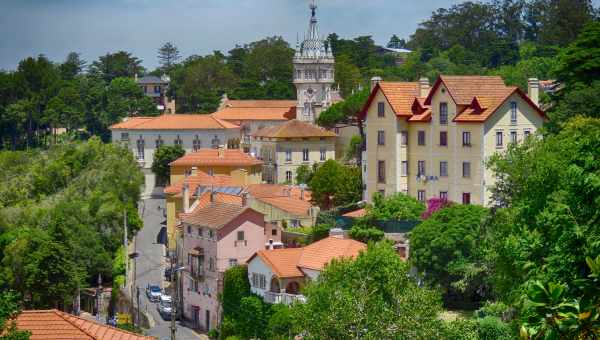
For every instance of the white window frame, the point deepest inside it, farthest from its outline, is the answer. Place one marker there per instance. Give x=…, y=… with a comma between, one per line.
x=305, y=155
x=443, y=168
x=288, y=155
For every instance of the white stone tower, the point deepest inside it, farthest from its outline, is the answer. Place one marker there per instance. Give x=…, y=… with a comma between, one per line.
x=313, y=72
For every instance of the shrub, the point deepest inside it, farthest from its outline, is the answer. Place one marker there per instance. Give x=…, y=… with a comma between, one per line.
x=460, y=329
x=366, y=234
x=280, y=325
x=319, y=232
x=492, y=328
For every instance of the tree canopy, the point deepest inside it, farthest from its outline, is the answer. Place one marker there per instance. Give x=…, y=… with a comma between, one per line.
x=333, y=184
x=164, y=155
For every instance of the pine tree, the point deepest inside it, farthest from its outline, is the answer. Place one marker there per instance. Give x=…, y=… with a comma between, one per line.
x=168, y=55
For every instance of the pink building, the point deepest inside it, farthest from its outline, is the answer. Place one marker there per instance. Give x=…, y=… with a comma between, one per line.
x=215, y=236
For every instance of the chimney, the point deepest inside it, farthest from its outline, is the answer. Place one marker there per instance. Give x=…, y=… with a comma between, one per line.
x=533, y=90
x=374, y=81
x=194, y=171
x=186, y=197
x=423, y=87
x=244, y=199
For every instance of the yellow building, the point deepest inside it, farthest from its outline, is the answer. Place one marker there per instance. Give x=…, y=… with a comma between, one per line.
x=286, y=147
x=433, y=142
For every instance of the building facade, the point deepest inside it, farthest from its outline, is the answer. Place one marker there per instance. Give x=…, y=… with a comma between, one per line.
x=286, y=147
x=313, y=73
x=143, y=135
x=215, y=237
x=434, y=142
x=156, y=88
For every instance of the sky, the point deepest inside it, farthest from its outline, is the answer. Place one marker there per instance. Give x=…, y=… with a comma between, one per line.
x=93, y=28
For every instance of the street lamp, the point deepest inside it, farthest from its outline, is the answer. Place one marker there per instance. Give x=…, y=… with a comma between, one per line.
x=174, y=299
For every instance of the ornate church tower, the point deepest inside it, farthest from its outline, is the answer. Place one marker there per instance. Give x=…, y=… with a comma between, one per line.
x=313, y=73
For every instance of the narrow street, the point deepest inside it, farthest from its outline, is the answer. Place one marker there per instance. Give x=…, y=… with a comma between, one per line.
x=150, y=269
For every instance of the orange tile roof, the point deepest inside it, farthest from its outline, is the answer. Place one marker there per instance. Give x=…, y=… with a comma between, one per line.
x=266, y=103
x=200, y=179
x=176, y=122
x=56, y=325
x=356, y=213
x=287, y=263
x=214, y=215
x=292, y=205
x=317, y=255
x=240, y=114
x=205, y=157
x=400, y=96
x=294, y=129
x=220, y=197
x=283, y=262
x=278, y=190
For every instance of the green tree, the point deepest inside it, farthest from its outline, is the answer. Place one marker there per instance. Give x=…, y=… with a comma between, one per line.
x=398, y=207
x=126, y=99
x=254, y=315
x=163, y=156
x=365, y=233
x=72, y=66
x=114, y=65
x=447, y=249
x=281, y=324
x=168, y=56
x=550, y=226
x=235, y=288
x=580, y=62
x=304, y=174
x=371, y=297
x=10, y=308
x=333, y=184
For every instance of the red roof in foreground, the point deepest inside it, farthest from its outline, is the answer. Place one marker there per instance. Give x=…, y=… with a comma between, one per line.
x=215, y=157
x=56, y=325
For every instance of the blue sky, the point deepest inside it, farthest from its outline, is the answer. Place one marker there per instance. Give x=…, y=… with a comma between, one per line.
x=92, y=28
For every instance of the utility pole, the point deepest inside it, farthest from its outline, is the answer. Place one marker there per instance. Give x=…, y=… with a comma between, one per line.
x=125, y=243
x=137, y=290
x=173, y=299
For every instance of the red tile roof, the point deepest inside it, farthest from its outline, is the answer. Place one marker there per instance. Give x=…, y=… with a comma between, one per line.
x=220, y=197
x=175, y=122
x=215, y=157
x=294, y=129
x=243, y=110
x=288, y=263
x=294, y=206
x=214, y=215
x=400, y=96
x=356, y=213
x=200, y=179
x=56, y=325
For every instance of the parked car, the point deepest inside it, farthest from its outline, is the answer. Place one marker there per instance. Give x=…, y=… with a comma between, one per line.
x=153, y=292
x=165, y=307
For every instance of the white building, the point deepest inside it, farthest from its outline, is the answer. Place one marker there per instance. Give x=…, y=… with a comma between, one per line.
x=143, y=135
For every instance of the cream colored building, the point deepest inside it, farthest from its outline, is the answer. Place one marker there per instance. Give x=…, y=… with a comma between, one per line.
x=434, y=142
x=286, y=147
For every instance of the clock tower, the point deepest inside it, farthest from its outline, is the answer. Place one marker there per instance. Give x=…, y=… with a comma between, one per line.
x=313, y=72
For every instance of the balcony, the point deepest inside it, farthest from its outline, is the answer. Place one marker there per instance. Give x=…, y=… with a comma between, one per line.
x=285, y=298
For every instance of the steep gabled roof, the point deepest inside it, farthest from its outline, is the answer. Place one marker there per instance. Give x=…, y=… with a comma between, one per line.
x=283, y=262
x=214, y=215
x=294, y=129
x=56, y=325
x=400, y=96
x=176, y=122
x=215, y=157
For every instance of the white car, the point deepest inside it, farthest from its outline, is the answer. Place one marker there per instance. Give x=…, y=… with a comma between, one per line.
x=165, y=306
x=153, y=292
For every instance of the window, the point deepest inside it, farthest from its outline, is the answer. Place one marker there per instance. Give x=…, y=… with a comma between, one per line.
x=156, y=89
x=274, y=232
x=381, y=109
x=421, y=195
x=420, y=168
x=404, y=138
x=189, y=229
x=404, y=168
x=499, y=139
x=323, y=74
x=254, y=280
x=233, y=262
x=211, y=264
x=526, y=133
x=240, y=235
x=513, y=112
x=466, y=198
x=288, y=155
x=159, y=142
x=305, y=155
x=466, y=138
x=466, y=169
x=443, y=169
x=323, y=154
x=443, y=138
x=140, y=149
x=381, y=171
x=380, y=137
x=444, y=195
x=421, y=137
x=200, y=232
x=299, y=74
x=125, y=136
x=381, y=192
x=288, y=176
x=178, y=141
x=215, y=142
x=211, y=234
x=262, y=282
x=197, y=143
x=443, y=113
x=513, y=136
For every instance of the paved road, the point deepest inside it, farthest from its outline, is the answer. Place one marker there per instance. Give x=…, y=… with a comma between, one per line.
x=150, y=268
